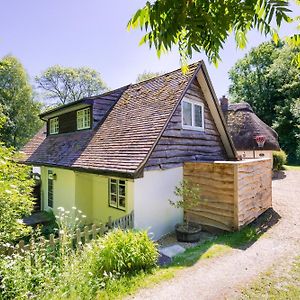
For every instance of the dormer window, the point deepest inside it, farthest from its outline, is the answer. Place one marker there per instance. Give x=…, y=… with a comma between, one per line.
x=83, y=119
x=53, y=126
x=192, y=115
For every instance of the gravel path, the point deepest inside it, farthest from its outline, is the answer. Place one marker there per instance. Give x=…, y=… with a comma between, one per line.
x=222, y=278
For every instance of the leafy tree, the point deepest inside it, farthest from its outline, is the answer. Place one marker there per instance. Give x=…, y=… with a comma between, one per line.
x=250, y=83
x=17, y=104
x=147, y=75
x=270, y=83
x=15, y=195
x=205, y=25
x=70, y=84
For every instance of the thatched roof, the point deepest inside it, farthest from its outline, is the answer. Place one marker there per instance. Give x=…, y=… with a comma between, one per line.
x=244, y=125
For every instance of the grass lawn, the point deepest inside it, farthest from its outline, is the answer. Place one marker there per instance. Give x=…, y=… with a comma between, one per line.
x=207, y=250
x=280, y=283
x=292, y=167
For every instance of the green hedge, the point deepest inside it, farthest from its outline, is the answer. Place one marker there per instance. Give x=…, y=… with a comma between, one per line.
x=279, y=159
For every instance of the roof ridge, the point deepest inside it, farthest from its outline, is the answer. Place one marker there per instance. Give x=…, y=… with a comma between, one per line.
x=164, y=74
x=106, y=93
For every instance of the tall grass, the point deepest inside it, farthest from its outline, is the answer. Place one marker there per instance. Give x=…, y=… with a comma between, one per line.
x=75, y=273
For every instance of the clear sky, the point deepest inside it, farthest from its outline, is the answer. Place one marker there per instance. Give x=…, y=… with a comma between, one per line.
x=93, y=33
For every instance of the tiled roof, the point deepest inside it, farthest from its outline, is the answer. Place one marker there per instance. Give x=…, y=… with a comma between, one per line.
x=124, y=140
x=56, y=150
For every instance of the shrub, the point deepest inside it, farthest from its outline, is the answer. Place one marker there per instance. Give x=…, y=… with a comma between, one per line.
x=188, y=196
x=125, y=252
x=29, y=274
x=279, y=159
x=64, y=272
x=15, y=196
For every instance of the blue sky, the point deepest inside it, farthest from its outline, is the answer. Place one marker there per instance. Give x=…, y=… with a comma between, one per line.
x=93, y=33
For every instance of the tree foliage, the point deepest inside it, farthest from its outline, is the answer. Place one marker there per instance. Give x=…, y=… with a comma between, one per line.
x=270, y=83
x=17, y=104
x=66, y=85
x=202, y=25
x=15, y=196
x=147, y=75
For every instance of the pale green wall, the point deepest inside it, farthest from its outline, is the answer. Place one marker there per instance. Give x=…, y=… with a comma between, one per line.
x=101, y=209
x=84, y=194
x=87, y=192
x=63, y=188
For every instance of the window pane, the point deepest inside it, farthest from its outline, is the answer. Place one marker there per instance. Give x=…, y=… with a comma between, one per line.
x=83, y=118
x=187, y=113
x=113, y=188
x=198, y=115
x=113, y=200
x=50, y=188
x=121, y=190
x=53, y=126
x=122, y=202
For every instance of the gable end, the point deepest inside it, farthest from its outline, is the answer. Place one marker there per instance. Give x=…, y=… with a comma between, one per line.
x=178, y=145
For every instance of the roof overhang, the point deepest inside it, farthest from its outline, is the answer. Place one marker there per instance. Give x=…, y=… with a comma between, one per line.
x=105, y=172
x=62, y=110
x=215, y=109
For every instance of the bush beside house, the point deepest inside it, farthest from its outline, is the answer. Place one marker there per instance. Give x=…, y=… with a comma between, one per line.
x=279, y=159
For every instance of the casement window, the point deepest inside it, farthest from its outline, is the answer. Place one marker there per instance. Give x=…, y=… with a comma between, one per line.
x=192, y=115
x=53, y=126
x=50, y=188
x=117, y=193
x=83, y=119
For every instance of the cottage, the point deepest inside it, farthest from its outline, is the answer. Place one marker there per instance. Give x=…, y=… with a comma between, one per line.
x=245, y=127
x=124, y=150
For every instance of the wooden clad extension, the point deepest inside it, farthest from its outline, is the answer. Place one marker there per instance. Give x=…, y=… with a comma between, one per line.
x=234, y=193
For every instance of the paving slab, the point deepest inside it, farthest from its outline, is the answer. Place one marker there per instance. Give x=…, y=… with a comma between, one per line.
x=171, y=251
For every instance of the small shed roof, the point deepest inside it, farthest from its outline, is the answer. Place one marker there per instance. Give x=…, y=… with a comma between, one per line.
x=244, y=125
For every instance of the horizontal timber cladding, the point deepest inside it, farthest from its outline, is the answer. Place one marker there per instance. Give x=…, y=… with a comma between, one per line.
x=233, y=193
x=68, y=122
x=178, y=145
x=254, y=190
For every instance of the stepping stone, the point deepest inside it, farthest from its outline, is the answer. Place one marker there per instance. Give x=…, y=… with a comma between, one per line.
x=171, y=251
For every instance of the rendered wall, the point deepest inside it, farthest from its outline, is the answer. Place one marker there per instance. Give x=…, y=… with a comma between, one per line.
x=101, y=209
x=151, y=206
x=84, y=194
x=63, y=188
x=87, y=192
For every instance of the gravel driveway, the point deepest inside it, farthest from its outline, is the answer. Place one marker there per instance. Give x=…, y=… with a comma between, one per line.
x=223, y=277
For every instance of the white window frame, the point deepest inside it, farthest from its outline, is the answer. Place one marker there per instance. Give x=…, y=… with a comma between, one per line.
x=85, y=115
x=117, y=205
x=53, y=126
x=193, y=103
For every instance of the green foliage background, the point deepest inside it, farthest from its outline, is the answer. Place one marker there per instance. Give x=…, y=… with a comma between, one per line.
x=147, y=75
x=17, y=104
x=64, y=85
x=204, y=26
x=269, y=81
